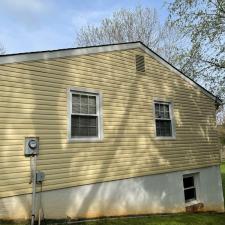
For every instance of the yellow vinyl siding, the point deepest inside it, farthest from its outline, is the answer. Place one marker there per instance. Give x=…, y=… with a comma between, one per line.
x=34, y=103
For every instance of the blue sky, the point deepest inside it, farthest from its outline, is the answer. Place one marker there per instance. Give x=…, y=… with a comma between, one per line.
x=33, y=25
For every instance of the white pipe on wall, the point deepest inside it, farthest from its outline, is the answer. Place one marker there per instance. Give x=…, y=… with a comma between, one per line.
x=34, y=167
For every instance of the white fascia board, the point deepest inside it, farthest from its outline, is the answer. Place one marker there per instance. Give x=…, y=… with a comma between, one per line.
x=46, y=55
x=24, y=57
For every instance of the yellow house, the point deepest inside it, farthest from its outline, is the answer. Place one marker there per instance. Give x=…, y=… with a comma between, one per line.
x=119, y=130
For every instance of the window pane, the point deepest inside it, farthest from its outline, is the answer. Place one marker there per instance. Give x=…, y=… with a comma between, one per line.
x=188, y=182
x=162, y=111
x=92, y=101
x=83, y=104
x=84, y=126
x=156, y=106
x=76, y=98
x=92, y=131
x=189, y=194
x=166, y=107
x=75, y=108
x=93, y=121
x=84, y=99
x=75, y=103
x=92, y=110
x=83, y=131
x=84, y=121
x=84, y=109
x=163, y=128
x=75, y=131
x=167, y=115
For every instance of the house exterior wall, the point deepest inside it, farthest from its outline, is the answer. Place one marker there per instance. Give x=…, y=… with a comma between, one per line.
x=34, y=103
x=160, y=193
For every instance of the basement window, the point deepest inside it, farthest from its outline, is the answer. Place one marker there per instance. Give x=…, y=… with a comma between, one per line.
x=140, y=63
x=189, y=184
x=163, y=119
x=85, y=115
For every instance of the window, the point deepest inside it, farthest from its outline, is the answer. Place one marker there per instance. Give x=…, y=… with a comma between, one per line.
x=163, y=119
x=189, y=184
x=85, y=119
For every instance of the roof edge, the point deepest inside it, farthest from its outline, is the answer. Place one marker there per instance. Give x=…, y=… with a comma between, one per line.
x=51, y=54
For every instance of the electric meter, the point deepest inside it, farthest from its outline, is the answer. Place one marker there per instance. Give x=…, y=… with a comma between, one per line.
x=32, y=143
x=31, y=146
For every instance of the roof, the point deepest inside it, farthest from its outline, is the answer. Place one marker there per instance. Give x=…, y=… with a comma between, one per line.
x=50, y=54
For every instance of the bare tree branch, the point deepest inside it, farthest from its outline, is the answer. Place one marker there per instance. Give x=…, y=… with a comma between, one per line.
x=140, y=24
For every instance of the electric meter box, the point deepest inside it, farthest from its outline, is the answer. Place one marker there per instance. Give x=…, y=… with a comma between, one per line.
x=31, y=146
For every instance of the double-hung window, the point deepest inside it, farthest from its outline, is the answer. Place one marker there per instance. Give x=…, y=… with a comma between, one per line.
x=163, y=119
x=85, y=115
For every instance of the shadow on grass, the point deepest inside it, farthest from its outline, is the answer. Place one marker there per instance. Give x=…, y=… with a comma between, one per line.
x=180, y=219
x=174, y=219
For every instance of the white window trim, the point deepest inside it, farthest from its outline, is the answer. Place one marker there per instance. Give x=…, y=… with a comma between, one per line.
x=159, y=100
x=196, y=185
x=99, y=109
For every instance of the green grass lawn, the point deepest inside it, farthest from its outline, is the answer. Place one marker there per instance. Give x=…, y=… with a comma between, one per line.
x=222, y=168
x=181, y=219
x=175, y=219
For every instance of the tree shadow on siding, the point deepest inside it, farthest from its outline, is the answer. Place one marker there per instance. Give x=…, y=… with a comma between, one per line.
x=189, y=154
x=136, y=87
x=44, y=126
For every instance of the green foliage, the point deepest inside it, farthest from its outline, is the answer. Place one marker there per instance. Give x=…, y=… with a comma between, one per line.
x=188, y=219
x=221, y=133
x=193, y=39
x=176, y=219
x=202, y=23
x=222, y=169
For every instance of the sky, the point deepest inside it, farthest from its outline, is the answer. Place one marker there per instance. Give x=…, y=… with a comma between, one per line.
x=36, y=25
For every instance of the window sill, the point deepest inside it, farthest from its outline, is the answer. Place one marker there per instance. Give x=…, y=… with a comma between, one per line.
x=165, y=138
x=193, y=202
x=72, y=140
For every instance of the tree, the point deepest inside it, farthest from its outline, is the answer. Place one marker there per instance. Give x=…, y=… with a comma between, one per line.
x=141, y=24
x=221, y=133
x=192, y=39
x=2, y=50
x=202, y=23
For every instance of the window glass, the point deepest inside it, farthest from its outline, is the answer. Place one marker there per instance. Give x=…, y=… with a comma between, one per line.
x=189, y=188
x=163, y=119
x=84, y=116
x=188, y=182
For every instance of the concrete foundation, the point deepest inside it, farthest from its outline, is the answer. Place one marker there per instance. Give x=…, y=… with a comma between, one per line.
x=161, y=193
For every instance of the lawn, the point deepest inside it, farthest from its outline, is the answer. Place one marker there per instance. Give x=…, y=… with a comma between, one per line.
x=176, y=219
x=222, y=167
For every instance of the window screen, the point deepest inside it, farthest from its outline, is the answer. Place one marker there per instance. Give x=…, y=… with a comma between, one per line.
x=163, y=119
x=85, y=115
